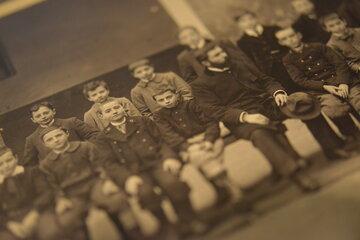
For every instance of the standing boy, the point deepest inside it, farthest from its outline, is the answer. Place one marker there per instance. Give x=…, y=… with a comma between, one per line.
x=43, y=114
x=98, y=92
x=142, y=93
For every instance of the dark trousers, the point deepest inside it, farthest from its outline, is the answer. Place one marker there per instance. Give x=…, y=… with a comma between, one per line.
x=171, y=187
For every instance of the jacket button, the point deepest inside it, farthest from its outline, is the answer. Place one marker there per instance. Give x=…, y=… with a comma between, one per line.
x=151, y=148
x=302, y=60
x=325, y=70
x=332, y=75
x=122, y=160
x=318, y=64
x=119, y=150
x=144, y=140
x=184, y=125
x=315, y=74
x=309, y=68
x=310, y=57
x=115, y=142
x=176, y=112
x=180, y=119
x=137, y=131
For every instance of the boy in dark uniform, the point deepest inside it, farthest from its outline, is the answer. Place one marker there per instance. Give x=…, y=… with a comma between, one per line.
x=323, y=73
x=74, y=170
x=24, y=194
x=43, y=114
x=149, y=163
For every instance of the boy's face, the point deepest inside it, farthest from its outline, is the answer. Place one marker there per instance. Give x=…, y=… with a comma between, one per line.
x=56, y=139
x=217, y=57
x=247, y=21
x=335, y=25
x=303, y=6
x=98, y=95
x=167, y=99
x=43, y=115
x=189, y=37
x=143, y=72
x=289, y=38
x=8, y=163
x=112, y=111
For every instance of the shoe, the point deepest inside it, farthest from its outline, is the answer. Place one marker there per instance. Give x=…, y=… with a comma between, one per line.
x=305, y=182
x=337, y=154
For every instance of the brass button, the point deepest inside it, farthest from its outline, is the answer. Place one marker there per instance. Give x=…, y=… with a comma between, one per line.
x=302, y=60
x=310, y=57
x=115, y=142
x=318, y=64
x=144, y=140
x=180, y=119
x=137, y=131
x=151, y=148
x=122, y=160
x=309, y=68
x=119, y=150
x=184, y=125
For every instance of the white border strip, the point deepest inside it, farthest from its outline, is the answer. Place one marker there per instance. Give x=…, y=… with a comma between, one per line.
x=12, y=6
x=183, y=15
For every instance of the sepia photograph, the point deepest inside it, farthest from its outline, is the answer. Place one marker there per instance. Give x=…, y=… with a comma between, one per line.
x=179, y=119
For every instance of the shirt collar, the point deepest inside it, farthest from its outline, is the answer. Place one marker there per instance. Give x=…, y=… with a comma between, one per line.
x=18, y=170
x=115, y=124
x=145, y=82
x=346, y=36
x=215, y=69
x=59, y=152
x=256, y=32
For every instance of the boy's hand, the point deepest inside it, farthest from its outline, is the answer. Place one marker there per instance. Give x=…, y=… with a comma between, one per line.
x=280, y=99
x=172, y=165
x=332, y=89
x=344, y=90
x=109, y=187
x=132, y=184
x=256, y=118
x=62, y=205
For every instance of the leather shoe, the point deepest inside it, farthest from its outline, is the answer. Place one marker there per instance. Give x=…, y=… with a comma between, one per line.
x=337, y=154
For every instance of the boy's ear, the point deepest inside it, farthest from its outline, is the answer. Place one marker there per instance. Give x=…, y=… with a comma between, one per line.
x=100, y=115
x=300, y=35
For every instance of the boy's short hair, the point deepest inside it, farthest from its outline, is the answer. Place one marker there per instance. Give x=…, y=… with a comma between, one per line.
x=238, y=16
x=91, y=86
x=4, y=150
x=46, y=130
x=328, y=17
x=36, y=107
x=139, y=63
x=162, y=90
x=110, y=100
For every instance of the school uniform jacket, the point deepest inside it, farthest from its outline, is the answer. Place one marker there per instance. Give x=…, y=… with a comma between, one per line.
x=184, y=121
x=35, y=149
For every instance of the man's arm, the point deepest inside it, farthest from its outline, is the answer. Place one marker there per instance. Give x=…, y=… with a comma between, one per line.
x=211, y=104
x=171, y=137
x=300, y=78
x=343, y=75
x=139, y=103
x=181, y=86
x=85, y=131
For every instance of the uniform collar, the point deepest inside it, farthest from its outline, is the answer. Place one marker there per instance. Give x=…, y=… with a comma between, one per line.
x=72, y=148
x=144, y=83
x=18, y=170
x=215, y=69
x=113, y=133
x=256, y=32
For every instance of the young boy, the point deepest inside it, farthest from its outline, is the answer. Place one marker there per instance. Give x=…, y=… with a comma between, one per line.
x=141, y=94
x=187, y=129
x=74, y=170
x=137, y=146
x=322, y=72
x=98, y=92
x=43, y=114
x=307, y=23
x=344, y=40
x=24, y=194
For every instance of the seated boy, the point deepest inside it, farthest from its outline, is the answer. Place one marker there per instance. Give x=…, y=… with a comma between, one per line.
x=74, y=169
x=137, y=146
x=344, y=40
x=23, y=195
x=141, y=94
x=98, y=92
x=320, y=71
x=43, y=114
